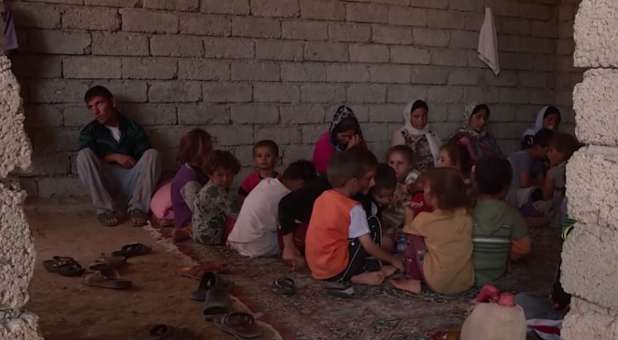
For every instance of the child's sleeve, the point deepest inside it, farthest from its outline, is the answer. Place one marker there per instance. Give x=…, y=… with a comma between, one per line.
x=358, y=222
x=416, y=227
x=189, y=193
x=548, y=187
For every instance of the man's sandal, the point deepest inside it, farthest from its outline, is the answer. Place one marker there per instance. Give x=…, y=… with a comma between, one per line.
x=108, y=219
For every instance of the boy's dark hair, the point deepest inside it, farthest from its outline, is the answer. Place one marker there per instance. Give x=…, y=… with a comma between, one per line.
x=418, y=104
x=220, y=159
x=385, y=177
x=564, y=143
x=448, y=187
x=479, y=108
x=493, y=175
x=460, y=156
x=403, y=150
x=552, y=110
x=353, y=163
x=303, y=170
x=267, y=143
x=194, y=149
x=542, y=137
x=97, y=91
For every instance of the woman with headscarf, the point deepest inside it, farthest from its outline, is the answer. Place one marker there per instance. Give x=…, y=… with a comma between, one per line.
x=417, y=134
x=343, y=133
x=548, y=117
x=474, y=135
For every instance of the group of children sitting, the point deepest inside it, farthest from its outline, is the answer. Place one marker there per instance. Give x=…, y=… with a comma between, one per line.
x=449, y=216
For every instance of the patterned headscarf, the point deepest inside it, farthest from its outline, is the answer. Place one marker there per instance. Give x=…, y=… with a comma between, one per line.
x=342, y=113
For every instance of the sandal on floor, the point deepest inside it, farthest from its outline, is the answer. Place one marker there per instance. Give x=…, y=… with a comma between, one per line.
x=108, y=262
x=138, y=218
x=207, y=282
x=63, y=265
x=217, y=298
x=344, y=293
x=106, y=279
x=165, y=332
x=241, y=325
x=284, y=286
x=130, y=250
x=108, y=219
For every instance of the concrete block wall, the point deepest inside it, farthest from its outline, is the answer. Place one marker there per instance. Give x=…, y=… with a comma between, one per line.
x=251, y=69
x=590, y=255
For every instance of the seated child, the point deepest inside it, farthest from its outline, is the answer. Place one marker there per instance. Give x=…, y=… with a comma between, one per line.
x=401, y=159
x=215, y=206
x=500, y=232
x=561, y=148
x=255, y=231
x=338, y=238
x=474, y=135
x=195, y=147
x=446, y=234
x=380, y=196
x=265, y=155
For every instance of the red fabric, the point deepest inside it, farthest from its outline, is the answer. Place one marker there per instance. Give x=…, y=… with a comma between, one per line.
x=418, y=204
x=249, y=183
x=229, y=225
x=413, y=257
x=323, y=152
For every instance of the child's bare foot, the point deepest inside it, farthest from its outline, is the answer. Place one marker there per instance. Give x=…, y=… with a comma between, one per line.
x=388, y=270
x=369, y=278
x=412, y=286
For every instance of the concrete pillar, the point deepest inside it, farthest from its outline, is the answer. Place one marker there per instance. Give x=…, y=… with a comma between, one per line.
x=590, y=255
x=16, y=248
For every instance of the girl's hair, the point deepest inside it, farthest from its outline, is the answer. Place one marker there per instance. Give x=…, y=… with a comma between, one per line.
x=347, y=124
x=220, y=159
x=404, y=150
x=419, y=104
x=459, y=156
x=479, y=108
x=448, y=187
x=194, y=149
x=267, y=143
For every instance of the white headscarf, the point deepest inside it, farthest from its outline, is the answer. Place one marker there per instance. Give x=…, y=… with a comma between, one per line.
x=432, y=139
x=538, y=124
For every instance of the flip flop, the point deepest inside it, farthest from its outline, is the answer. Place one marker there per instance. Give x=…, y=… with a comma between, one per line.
x=105, y=279
x=63, y=265
x=133, y=249
x=284, y=286
x=207, y=282
x=240, y=325
x=108, y=262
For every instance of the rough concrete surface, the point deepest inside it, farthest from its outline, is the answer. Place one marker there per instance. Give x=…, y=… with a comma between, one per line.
x=586, y=321
x=594, y=102
x=595, y=34
x=22, y=326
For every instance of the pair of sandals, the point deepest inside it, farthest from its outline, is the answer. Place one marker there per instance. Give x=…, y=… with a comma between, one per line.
x=104, y=271
x=214, y=293
x=63, y=265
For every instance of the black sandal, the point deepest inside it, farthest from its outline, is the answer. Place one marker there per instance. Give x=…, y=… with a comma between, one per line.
x=63, y=265
x=285, y=286
x=130, y=250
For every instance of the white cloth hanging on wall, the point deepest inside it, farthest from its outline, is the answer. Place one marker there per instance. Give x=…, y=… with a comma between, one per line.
x=488, y=42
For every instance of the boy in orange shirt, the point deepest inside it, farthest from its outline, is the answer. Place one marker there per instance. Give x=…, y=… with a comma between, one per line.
x=338, y=239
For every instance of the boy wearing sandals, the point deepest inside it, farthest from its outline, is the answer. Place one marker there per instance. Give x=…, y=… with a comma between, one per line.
x=338, y=239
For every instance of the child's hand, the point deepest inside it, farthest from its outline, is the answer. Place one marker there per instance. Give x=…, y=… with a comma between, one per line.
x=397, y=263
x=354, y=141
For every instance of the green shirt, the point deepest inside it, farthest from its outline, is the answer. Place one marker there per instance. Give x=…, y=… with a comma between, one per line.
x=133, y=140
x=496, y=224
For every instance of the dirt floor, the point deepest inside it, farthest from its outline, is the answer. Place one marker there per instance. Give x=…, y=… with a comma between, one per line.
x=70, y=310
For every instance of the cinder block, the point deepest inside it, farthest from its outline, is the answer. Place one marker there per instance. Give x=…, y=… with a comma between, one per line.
x=442, y=94
x=429, y=3
x=463, y=77
x=366, y=93
x=163, y=138
x=255, y=71
x=222, y=92
x=38, y=66
x=589, y=256
x=228, y=48
x=429, y=37
x=389, y=73
x=141, y=20
x=203, y=69
x=301, y=114
x=64, y=42
x=91, y=18
x=50, y=187
x=292, y=153
x=176, y=46
x=311, y=133
x=203, y=114
x=226, y=7
x=405, y=93
x=57, y=139
x=407, y=16
x=275, y=8
x=111, y=3
x=35, y=15
x=256, y=27
x=463, y=39
x=385, y=113
x=588, y=321
x=49, y=164
x=349, y=32
x=43, y=115
x=279, y=50
x=132, y=91
x=322, y=93
x=238, y=135
x=149, y=68
x=322, y=9
x=281, y=135
x=174, y=5
x=255, y=114
x=92, y=67
x=361, y=12
x=595, y=104
x=369, y=53
x=449, y=57
x=305, y=30
x=274, y=92
x=410, y=55
x=517, y=26
x=445, y=19
x=376, y=132
x=326, y=51
x=202, y=24
x=535, y=79
x=392, y=35
x=347, y=73
x=175, y=91
x=432, y=75
x=506, y=78
x=57, y=91
x=150, y=114
x=467, y=5
x=303, y=72
x=125, y=44
x=485, y=95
